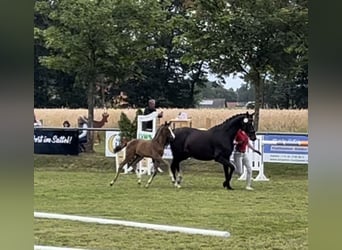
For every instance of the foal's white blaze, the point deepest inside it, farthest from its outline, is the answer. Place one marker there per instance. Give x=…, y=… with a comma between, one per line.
x=171, y=132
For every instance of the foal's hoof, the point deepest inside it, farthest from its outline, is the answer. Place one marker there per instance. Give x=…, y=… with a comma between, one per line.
x=111, y=184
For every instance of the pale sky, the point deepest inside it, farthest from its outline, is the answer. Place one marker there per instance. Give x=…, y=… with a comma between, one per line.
x=231, y=81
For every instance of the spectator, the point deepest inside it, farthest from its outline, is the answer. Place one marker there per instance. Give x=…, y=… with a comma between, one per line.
x=66, y=124
x=148, y=110
x=82, y=137
x=36, y=122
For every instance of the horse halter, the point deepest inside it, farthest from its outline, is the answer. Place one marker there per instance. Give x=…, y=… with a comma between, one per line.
x=247, y=126
x=171, y=132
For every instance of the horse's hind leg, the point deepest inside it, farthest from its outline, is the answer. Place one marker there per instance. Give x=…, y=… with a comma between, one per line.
x=122, y=164
x=134, y=162
x=128, y=159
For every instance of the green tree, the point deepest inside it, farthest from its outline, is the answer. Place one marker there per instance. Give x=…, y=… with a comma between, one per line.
x=166, y=77
x=245, y=93
x=215, y=90
x=258, y=39
x=127, y=127
x=88, y=39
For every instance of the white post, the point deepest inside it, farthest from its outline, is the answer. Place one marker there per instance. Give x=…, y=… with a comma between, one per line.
x=256, y=161
x=145, y=165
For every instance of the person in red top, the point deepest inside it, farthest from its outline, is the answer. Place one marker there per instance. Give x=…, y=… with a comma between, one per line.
x=240, y=156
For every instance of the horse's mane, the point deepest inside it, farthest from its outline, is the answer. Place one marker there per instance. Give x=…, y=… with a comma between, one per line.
x=157, y=132
x=228, y=121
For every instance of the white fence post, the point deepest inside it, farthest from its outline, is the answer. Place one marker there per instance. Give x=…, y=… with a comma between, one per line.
x=256, y=161
x=146, y=164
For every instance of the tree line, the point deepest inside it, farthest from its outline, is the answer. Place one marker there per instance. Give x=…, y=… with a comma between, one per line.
x=86, y=52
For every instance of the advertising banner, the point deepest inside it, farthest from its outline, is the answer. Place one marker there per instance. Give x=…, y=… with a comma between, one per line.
x=56, y=141
x=285, y=148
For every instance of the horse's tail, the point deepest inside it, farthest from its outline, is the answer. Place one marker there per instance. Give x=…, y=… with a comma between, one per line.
x=120, y=147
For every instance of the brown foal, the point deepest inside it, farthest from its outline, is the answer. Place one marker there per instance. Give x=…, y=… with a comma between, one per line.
x=137, y=149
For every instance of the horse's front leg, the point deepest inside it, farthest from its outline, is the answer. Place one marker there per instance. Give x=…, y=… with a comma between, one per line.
x=228, y=174
x=179, y=176
x=172, y=171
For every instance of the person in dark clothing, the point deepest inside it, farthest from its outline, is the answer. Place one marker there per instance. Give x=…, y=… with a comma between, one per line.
x=148, y=110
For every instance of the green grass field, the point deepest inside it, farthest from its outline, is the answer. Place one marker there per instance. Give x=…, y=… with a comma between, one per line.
x=273, y=216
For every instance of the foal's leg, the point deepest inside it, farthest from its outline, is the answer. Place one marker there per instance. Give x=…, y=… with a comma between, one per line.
x=228, y=175
x=122, y=164
x=134, y=162
x=156, y=165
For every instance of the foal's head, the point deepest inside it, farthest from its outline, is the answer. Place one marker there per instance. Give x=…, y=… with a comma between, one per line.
x=165, y=132
x=248, y=127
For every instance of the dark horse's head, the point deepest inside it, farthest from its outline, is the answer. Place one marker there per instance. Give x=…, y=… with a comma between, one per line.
x=165, y=132
x=248, y=127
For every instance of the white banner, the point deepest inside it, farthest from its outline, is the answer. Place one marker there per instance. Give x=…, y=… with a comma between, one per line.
x=285, y=148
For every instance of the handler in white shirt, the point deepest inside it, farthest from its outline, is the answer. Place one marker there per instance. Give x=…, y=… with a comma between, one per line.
x=82, y=137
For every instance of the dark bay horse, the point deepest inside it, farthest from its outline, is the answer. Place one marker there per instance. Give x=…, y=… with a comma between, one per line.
x=137, y=149
x=215, y=144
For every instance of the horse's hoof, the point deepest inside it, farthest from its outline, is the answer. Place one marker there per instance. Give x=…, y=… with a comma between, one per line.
x=230, y=188
x=225, y=184
x=146, y=186
x=111, y=184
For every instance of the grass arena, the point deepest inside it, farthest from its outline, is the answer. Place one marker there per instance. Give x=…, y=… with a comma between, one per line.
x=273, y=216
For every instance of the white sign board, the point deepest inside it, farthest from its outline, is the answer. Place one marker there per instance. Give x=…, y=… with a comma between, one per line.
x=283, y=148
x=112, y=140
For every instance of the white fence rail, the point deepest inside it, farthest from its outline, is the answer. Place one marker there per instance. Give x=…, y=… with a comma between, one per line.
x=40, y=247
x=158, y=227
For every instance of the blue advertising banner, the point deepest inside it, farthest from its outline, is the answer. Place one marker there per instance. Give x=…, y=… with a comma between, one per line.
x=285, y=148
